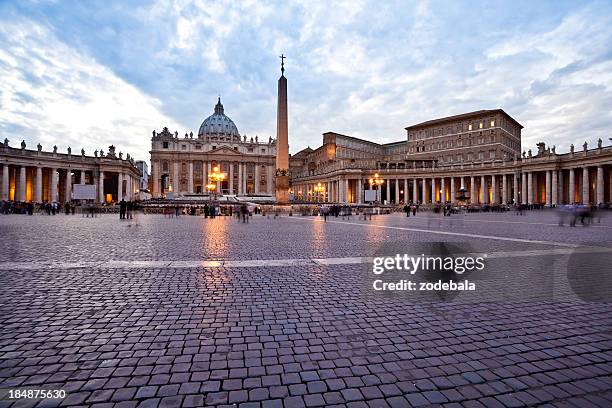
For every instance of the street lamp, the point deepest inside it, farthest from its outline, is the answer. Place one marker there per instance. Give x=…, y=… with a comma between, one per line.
x=215, y=178
x=376, y=181
x=319, y=188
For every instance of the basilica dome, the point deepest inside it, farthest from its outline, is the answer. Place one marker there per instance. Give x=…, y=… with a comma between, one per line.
x=218, y=125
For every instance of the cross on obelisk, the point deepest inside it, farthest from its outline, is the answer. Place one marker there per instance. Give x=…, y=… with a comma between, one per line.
x=282, y=57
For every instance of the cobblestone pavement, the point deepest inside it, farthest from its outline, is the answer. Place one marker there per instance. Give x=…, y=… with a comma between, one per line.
x=297, y=335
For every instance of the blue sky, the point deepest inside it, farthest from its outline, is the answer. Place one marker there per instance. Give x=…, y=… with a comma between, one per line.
x=91, y=74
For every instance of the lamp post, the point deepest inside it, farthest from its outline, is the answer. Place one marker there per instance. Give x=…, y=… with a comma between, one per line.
x=215, y=177
x=319, y=188
x=376, y=181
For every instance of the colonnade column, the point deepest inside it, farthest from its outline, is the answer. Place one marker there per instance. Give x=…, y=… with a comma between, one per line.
x=359, y=190
x=483, y=190
x=101, y=187
x=82, y=177
x=5, y=182
x=515, y=189
x=38, y=195
x=572, y=187
x=424, y=190
x=494, y=189
x=530, y=187
x=388, y=186
x=473, y=198
x=406, y=195
x=119, y=186
x=453, y=200
x=504, y=189
x=524, y=188
x=415, y=191
x=548, y=189
x=443, y=193
x=22, y=183
x=240, y=192
x=68, y=185
x=585, y=186
x=600, y=185
x=433, y=190
x=397, y=191
x=555, y=186
x=53, y=185
x=175, y=182
x=231, y=178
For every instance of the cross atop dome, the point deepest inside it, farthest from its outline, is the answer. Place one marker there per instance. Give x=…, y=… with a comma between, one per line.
x=219, y=107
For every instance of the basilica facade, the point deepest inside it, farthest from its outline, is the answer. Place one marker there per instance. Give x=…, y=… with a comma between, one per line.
x=182, y=165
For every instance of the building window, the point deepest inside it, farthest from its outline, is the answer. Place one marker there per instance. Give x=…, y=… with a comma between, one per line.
x=263, y=150
x=236, y=148
x=184, y=147
x=214, y=147
x=492, y=123
x=470, y=126
x=480, y=125
x=198, y=147
x=480, y=156
x=165, y=165
x=491, y=154
x=165, y=145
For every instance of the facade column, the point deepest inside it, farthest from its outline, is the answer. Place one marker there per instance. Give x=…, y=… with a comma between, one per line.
x=101, y=188
x=406, y=195
x=190, y=177
x=270, y=180
x=231, y=178
x=600, y=186
x=359, y=190
x=572, y=187
x=257, y=178
x=22, y=183
x=453, y=200
x=462, y=183
x=240, y=191
x=585, y=186
x=494, y=189
x=443, y=193
x=548, y=188
x=415, y=191
x=530, y=187
x=433, y=190
x=504, y=189
x=119, y=186
x=473, y=197
x=38, y=195
x=82, y=178
x=53, y=188
x=5, y=181
x=175, y=181
x=68, y=186
x=483, y=190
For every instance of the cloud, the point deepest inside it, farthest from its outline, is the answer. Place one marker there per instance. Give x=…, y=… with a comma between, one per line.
x=54, y=94
x=362, y=68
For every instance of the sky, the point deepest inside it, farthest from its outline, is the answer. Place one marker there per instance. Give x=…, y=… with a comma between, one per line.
x=88, y=74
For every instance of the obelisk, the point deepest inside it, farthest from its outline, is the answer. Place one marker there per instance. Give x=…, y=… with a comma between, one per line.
x=282, y=140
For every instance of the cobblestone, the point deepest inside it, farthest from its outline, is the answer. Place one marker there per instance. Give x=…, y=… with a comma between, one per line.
x=290, y=336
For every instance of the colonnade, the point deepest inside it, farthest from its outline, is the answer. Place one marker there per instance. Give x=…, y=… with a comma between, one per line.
x=55, y=184
x=549, y=187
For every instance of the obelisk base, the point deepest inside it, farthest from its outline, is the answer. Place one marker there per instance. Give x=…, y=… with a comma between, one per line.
x=282, y=189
